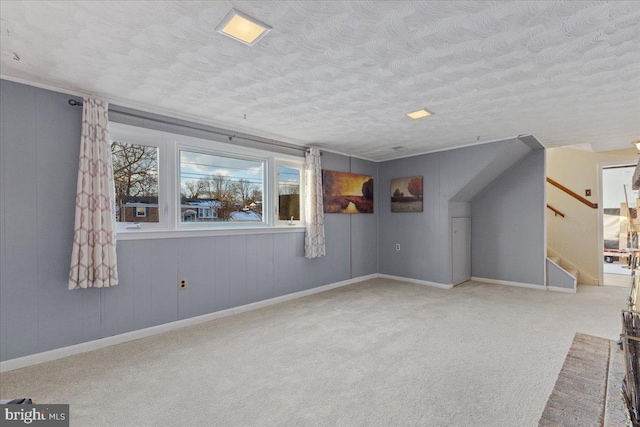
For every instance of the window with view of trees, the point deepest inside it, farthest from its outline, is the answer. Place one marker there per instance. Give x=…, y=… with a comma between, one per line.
x=135, y=175
x=169, y=183
x=216, y=188
x=289, y=193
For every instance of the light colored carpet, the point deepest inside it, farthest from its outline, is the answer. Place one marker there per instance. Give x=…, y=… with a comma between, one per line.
x=378, y=353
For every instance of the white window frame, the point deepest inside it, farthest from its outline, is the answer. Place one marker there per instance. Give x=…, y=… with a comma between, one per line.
x=209, y=148
x=295, y=164
x=169, y=146
x=134, y=135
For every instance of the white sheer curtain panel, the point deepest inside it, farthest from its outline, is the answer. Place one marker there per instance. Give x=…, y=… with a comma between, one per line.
x=314, y=241
x=93, y=258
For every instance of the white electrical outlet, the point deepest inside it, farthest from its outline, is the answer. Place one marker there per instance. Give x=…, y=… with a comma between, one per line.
x=397, y=246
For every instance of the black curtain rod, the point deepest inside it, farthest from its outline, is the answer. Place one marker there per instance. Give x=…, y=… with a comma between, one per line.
x=75, y=103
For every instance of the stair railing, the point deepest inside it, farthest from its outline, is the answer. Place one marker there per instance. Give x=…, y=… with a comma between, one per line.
x=556, y=212
x=572, y=194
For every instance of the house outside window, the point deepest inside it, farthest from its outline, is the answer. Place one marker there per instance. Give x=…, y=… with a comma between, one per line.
x=206, y=213
x=173, y=183
x=235, y=184
x=136, y=175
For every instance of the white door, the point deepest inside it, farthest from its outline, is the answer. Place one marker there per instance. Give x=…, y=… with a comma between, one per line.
x=460, y=250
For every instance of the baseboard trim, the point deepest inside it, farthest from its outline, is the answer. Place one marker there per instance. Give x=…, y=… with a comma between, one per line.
x=509, y=283
x=559, y=289
x=300, y=294
x=59, y=353
x=416, y=281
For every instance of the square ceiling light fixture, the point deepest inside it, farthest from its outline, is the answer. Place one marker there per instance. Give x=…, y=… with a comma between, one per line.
x=420, y=114
x=242, y=27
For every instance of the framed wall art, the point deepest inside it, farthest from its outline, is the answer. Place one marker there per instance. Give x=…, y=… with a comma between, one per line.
x=344, y=192
x=406, y=194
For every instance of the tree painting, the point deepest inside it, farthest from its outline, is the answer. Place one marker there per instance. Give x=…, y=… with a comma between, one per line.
x=415, y=187
x=407, y=194
x=346, y=192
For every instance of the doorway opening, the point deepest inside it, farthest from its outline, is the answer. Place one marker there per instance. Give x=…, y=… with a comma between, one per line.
x=619, y=222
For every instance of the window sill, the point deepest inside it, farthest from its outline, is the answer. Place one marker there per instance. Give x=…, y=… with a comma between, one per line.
x=204, y=232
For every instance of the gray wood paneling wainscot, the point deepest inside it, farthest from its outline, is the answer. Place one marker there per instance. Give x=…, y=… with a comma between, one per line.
x=500, y=185
x=40, y=137
x=467, y=182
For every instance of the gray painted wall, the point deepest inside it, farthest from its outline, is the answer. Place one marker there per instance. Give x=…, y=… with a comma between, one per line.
x=507, y=225
x=558, y=277
x=39, y=145
x=450, y=179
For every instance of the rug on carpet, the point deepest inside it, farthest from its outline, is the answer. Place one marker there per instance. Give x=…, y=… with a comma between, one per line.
x=586, y=392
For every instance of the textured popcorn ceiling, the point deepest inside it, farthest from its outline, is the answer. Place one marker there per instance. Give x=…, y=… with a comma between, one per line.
x=342, y=75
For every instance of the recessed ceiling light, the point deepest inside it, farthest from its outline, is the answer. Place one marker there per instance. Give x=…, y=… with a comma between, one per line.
x=420, y=114
x=242, y=27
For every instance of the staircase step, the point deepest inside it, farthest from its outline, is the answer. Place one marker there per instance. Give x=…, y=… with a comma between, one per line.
x=574, y=273
x=555, y=259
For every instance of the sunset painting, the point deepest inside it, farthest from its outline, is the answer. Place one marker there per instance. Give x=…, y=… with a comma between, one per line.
x=344, y=192
x=406, y=194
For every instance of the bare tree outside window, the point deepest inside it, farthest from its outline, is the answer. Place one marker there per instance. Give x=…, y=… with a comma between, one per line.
x=221, y=187
x=196, y=189
x=182, y=184
x=135, y=175
x=230, y=186
x=244, y=190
